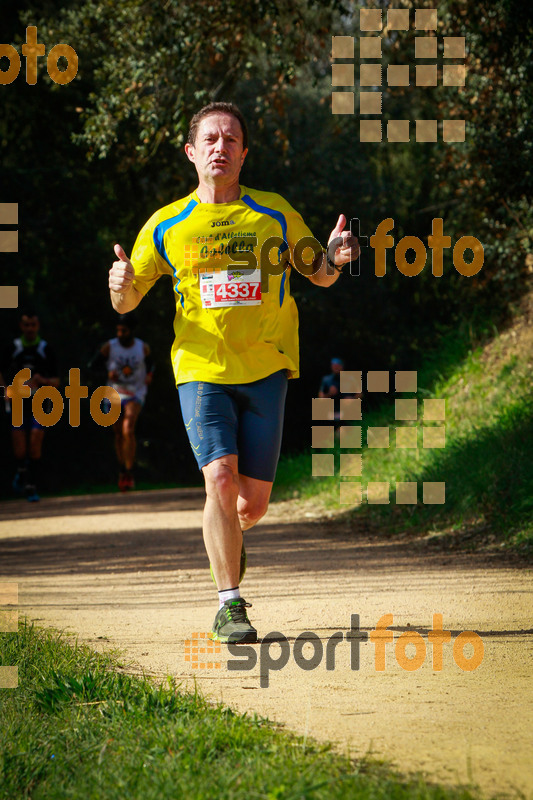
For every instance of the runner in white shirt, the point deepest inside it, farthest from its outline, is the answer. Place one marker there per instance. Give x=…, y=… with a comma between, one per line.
x=129, y=371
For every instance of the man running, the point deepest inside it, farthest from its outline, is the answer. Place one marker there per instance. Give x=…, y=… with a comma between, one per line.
x=32, y=352
x=236, y=332
x=330, y=385
x=129, y=371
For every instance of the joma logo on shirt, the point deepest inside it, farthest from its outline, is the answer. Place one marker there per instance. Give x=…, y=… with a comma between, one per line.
x=218, y=223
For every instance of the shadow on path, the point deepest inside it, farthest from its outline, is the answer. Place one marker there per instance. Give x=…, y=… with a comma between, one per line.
x=160, y=545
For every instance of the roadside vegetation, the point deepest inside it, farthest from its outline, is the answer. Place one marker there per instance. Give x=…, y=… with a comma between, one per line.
x=485, y=378
x=78, y=726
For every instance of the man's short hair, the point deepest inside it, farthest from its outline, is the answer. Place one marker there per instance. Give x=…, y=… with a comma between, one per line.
x=218, y=108
x=128, y=320
x=28, y=312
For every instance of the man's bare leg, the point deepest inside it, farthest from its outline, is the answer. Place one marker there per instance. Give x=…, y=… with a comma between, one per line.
x=117, y=431
x=36, y=443
x=18, y=438
x=234, y=503
x=35, y=470
x=222, y=532
x=252, y=503
x=129, y=420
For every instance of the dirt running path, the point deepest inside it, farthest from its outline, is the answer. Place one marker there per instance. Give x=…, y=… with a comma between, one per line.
x=130, y=571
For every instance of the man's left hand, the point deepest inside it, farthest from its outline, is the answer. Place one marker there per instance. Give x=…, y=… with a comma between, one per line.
x=349, y=250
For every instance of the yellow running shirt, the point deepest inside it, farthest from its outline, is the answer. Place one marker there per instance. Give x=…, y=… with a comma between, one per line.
x=229, y=328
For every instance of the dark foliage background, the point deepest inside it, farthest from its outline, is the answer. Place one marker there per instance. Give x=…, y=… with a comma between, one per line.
x=89, y=162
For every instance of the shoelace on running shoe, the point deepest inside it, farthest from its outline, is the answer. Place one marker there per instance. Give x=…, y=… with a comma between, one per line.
x=236, y=611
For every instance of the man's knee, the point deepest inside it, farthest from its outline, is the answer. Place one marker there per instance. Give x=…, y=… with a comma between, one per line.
x=128, y=427
x=221, y=480
x=36, y=443
x=19, y=443
x=251, y=510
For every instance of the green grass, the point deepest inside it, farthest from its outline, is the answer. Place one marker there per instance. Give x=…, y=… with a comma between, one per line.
x=77, y=727
x=486, y=463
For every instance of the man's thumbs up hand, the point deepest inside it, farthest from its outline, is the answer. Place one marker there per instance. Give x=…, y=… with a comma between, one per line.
x=119, y=252
x=346, y=246
x=339, y=227
x=121, y=274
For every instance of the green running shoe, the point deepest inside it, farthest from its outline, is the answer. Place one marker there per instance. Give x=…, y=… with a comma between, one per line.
x=242, y=569
x=232, y=624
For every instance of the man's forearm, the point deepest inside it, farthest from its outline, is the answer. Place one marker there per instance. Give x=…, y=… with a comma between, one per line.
x=322, y=274
x=125, y=301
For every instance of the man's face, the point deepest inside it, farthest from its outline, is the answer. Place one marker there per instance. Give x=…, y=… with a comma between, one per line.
x=29, y=327
x=124, y=334
x=336, y=367
x=217, y=152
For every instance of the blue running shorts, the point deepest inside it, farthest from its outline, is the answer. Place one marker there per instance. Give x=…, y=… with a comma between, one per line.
x=29, y=423
x=245, y=419
x=106, y=404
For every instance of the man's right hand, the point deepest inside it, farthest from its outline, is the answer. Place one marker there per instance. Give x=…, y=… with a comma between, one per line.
x=121, y=274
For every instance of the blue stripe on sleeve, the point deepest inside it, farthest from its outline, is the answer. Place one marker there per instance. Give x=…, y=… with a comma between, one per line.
x=159, y=234
x=279, y=217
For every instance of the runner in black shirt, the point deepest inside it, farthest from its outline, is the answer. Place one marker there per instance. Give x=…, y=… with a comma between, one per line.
x=31, y=351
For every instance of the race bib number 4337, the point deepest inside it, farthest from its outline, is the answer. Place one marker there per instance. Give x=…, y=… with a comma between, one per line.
x=230, y=288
